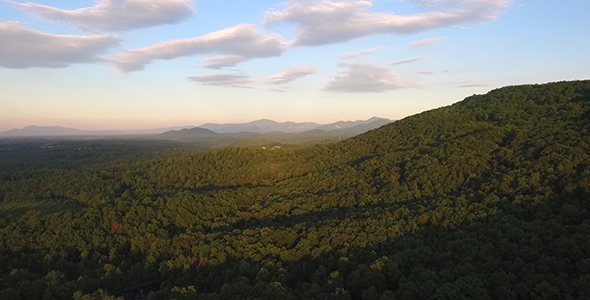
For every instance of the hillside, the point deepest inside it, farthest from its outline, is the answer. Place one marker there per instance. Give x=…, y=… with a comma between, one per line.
x=485, y=199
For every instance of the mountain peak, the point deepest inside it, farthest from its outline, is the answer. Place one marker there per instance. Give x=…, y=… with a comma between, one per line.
x=188, y=132
x=374, y=118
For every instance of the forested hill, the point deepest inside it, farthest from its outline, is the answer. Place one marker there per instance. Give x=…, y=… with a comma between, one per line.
x=484, y=199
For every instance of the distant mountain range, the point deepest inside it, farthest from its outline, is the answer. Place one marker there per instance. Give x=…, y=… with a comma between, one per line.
x=269, y=126
x=350, y=124
x=260, y=126
x=287, y=131
x=263, y=126
x=350, y=128
x=49, y=131
x=42, y=131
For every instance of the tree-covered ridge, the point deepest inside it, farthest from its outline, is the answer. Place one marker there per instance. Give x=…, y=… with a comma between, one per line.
x=486, y=198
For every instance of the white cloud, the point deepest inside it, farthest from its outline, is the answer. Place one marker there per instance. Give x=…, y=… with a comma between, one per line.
x=222, y=61
x=366, y=78
x=331, y=21
x=245, y=40
x=115, y=15
x=357, y=54
x=426, y=42
x=223, y=80
x=410, y=60
x=22, y=47
x=291, y=74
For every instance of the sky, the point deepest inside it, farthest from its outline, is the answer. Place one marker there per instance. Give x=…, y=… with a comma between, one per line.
x=138, y=64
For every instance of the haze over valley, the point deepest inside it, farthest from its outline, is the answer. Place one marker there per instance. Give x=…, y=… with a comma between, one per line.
x=254, y=127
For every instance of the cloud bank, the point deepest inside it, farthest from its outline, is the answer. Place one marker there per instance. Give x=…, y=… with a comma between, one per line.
x=366, y=78
x=115, y=15
x=22, y=47
x=244, y=40
x=330, y=21
x=291, y=74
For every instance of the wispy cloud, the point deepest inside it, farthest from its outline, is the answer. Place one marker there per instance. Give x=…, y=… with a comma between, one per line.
x=245, y=40
x=22, y=47
x=291, y=74
x=277, y=90
x=470, y=84
x=357, y=54
x=366, y=78
x=223, y=80
x=426, y=42
x=427, y=72
x=115, y=15
x=410, y=60
x=222, y=61
x=330, y=21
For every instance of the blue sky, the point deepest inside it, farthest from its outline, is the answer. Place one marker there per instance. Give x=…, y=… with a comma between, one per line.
x=131, y=64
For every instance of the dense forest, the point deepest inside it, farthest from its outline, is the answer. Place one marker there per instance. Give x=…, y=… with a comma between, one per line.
x=488, y=198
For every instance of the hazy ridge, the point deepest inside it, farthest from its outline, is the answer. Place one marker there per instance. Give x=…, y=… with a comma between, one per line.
x=254, y=127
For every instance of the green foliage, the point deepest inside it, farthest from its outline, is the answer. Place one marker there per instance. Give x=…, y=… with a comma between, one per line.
x=487, y=198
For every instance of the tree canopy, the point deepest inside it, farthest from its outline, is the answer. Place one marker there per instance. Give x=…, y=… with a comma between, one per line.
x=487, y=198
